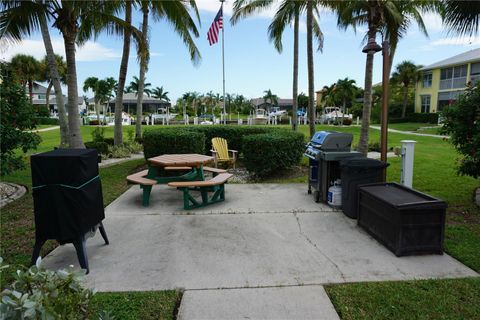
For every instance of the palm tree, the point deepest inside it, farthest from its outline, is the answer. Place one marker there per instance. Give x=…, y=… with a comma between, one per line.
x=27, y=69
x=134, y=85
x=57, y=73
x=289, y=11
x=61, y=67
x=91, y=83
x=392, y=19
x=461, y=17
x=269, y=97
x=177, y=13
x=406, y=74
x=345, y=91
x=158, y=93
x=374, y=14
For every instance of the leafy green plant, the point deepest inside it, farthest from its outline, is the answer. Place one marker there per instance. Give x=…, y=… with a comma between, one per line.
x=46, y=120
x=270, y=152
x=16, y=116
x=462, y=122
x=98, y=135
x=121, y=151
x=38, y=293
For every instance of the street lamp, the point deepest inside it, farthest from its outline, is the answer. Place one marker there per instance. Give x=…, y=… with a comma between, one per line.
x=373, y=46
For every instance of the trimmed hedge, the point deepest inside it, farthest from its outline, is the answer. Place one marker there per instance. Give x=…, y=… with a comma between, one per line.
x=265, y=149
x=233, y=134
x=270, y=152
x=46, y=120
x=172, y=140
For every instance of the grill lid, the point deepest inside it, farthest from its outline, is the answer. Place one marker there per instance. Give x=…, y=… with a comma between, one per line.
x=332, y=141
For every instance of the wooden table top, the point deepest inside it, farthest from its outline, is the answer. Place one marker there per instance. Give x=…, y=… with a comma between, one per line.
x=177, y=160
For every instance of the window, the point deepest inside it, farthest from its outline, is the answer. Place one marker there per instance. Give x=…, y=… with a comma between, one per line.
x=454, y=77
x=427, y=80
x=475, y=73
x=447, y=98
x=425, y=108
x=42, y=96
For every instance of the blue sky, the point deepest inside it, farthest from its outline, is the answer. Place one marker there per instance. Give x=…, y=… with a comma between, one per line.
x=252, y=64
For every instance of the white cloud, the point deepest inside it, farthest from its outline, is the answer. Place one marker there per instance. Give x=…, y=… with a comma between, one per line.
x=433, y=22
x=457, y=41
x=90, y=51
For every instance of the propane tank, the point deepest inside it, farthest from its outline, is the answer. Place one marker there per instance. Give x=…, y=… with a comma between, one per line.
x=335, y=194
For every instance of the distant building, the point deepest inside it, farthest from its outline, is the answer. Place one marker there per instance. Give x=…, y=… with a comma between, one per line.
x=283, y=104
x=442, y=82
x=150, y=104
x=39, y=93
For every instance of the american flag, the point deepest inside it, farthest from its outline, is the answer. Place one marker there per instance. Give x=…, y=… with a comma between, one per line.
x=217, y=24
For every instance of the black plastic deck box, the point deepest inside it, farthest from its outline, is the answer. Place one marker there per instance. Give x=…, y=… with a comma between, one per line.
x=355, y=172
x=406, y=221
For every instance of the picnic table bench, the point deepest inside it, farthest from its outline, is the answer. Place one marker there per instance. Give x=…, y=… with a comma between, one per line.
x=215, y=185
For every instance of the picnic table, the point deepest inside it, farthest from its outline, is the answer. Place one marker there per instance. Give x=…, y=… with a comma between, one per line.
x=158, y=168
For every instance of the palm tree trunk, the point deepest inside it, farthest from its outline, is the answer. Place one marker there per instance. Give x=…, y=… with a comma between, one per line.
x=30, y=90
x=55, y=81
x=405, y=100
x=75, y=136
x=118, y=136
x=295, y=71
x=367, y=105
x=311, y=89
x=47, y=95
x=97, y=111
x=141, y=80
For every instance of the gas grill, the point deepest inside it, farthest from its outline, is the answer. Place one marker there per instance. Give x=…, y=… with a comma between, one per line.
x=325, y=151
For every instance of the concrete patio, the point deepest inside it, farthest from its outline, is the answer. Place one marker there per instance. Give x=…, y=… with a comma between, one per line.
x=263, y=237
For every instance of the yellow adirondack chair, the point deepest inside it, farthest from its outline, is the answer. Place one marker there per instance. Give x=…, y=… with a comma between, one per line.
x=221, y=153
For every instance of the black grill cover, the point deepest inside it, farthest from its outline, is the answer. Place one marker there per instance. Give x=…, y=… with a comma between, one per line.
x=67, y=193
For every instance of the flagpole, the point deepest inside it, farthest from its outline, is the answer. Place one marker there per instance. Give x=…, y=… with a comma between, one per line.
x=223, y=64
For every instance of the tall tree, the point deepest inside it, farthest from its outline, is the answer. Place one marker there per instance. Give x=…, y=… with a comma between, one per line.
x=134, y=87
x=406, y=73
x=311, y=82
x=461, y=17
x=269, y=97
x=178, y=14
x=127, y=34
x=26, y=69
x=345, y=91
x=91, y=83
x=57, y=73
x=77, y=21
x=159, y=93
x=289, y=11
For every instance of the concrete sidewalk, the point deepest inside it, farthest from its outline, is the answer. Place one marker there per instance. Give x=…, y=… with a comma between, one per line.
x=263, y=236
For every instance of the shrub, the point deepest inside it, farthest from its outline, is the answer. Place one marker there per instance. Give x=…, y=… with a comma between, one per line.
x=98, y=134
x=16, y=116
x=269, y=152
x=462, y=122
x=233, y=134
x=42, y=111
x=121, y=151
x=38, y=293
x=46, y=120
x=101, y=146
x=172, y=140
x=109, y=141
x=347, y=121
x=374, y=146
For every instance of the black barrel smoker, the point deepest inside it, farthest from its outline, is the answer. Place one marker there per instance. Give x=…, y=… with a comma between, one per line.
x=68, y=201
x=325, y=151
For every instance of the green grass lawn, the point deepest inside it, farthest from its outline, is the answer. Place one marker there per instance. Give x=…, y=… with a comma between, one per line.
x=434, y=173
x=423, y=299
x=151, y=305
x=410, y=126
